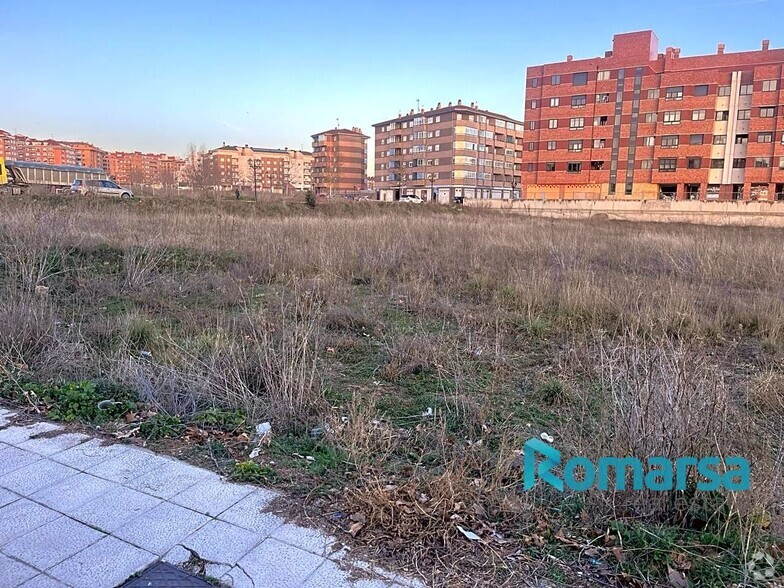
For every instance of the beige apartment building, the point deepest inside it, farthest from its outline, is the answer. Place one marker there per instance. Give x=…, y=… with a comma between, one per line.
x=449, y=153
x=277, y=171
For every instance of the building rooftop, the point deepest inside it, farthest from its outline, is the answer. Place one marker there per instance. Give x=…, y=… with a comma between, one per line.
x=354, y=131
x=472, y=108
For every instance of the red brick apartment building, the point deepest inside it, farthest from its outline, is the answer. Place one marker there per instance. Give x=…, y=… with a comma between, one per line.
x=339, y=161
x=22, y=148
x=639, y=124
x=449, y=153
x=144, y=168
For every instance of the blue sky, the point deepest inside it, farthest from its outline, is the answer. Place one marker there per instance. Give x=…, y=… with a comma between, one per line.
x=157, y=75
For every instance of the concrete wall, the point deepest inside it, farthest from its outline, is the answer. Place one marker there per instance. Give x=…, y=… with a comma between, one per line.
x=770, y=214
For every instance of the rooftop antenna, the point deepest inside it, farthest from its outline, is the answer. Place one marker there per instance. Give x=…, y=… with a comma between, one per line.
x=417, y=104
x=338, y=121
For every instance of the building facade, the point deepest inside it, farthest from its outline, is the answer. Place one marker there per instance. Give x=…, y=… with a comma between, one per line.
x=88, y=155
x=638, y=124
x=258, y=169
x=340, y=162
x=23, y=148
x=152, y=169
x=449, y=153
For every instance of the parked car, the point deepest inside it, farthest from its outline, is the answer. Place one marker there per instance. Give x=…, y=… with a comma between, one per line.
x=99, y=188
x=412, y=199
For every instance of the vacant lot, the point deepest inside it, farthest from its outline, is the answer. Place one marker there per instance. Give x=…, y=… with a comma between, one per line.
x=403, y=355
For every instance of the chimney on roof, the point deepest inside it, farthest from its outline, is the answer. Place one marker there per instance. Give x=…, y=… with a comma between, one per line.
x=246, y=145
x=608, y=53
x=472, y=105
x=450, y=104
x=569, y=57
x=438, y=105
x=720, y=49
x=765, y=44
x=459, y=102
x=410, y=112
x=668, y=52
x=676, y=52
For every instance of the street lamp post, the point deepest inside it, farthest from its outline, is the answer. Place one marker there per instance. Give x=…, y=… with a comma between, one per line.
x=514, y=185
x=432, y=178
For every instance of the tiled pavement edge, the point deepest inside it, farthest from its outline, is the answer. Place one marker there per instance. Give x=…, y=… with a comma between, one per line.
x=75, y=513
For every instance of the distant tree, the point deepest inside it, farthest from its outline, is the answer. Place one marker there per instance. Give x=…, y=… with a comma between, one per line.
x=195, y=172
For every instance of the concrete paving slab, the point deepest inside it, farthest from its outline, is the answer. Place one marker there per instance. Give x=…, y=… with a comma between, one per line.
x=128, y=466
x=17, y=434
x=248, y=513
x=89, y=454
x=43, y=581
x=305, y=538
x=6, y=496
x=52, y=543
x=114, y=509
x=169, y=479
x=102, y=565
x=52, y=445
x=221, y=542
x=6, y=416
x=273, y=564
x=329, y=574
x=161, y=528
x=212, y=496
x=13, y=573
x=22, y=516
x=12, y=458
x=36, y=476
x=73, y=492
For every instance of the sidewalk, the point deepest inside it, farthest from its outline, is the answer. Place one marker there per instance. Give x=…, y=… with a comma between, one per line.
x=75, y=513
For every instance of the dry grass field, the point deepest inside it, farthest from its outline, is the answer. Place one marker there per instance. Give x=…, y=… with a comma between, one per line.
x=404, y=354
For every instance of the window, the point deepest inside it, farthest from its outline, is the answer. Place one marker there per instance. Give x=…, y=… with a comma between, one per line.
x=576, y=145
x=725, y=90
x=577, y=123
x=770, y=85
x=698, y=115
x=598, y=143
x=701, y=90
x=765, y=138
x=762, y=162
x=650, y=117
x=668, y=165
x=579, y=79
x=532, y=125
x=768, y=112
x=717, y=164
x=672, y=117
x=694, y=162
x=534, y=104
x=597, y=165
x=535, y=83
x=531, y=146
x=555, y=79
x=648, y=141
x=646, y=164
x=653, y=94
x=741, y=139
x=600, y=121
x=674, y=93
x=549, y=166
x=555, y=102
x=739, y=162
x=670, y=141
x=602, y=98
x=552, y=145
x=746, y=89
x=722, y=115
x=781, y=162
x=530, y=167
x=552, y=123
x=744, y=114
x=574, y=167
x=603, y=76
x=696, y=139
x=719, y=139
x=579, y=101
